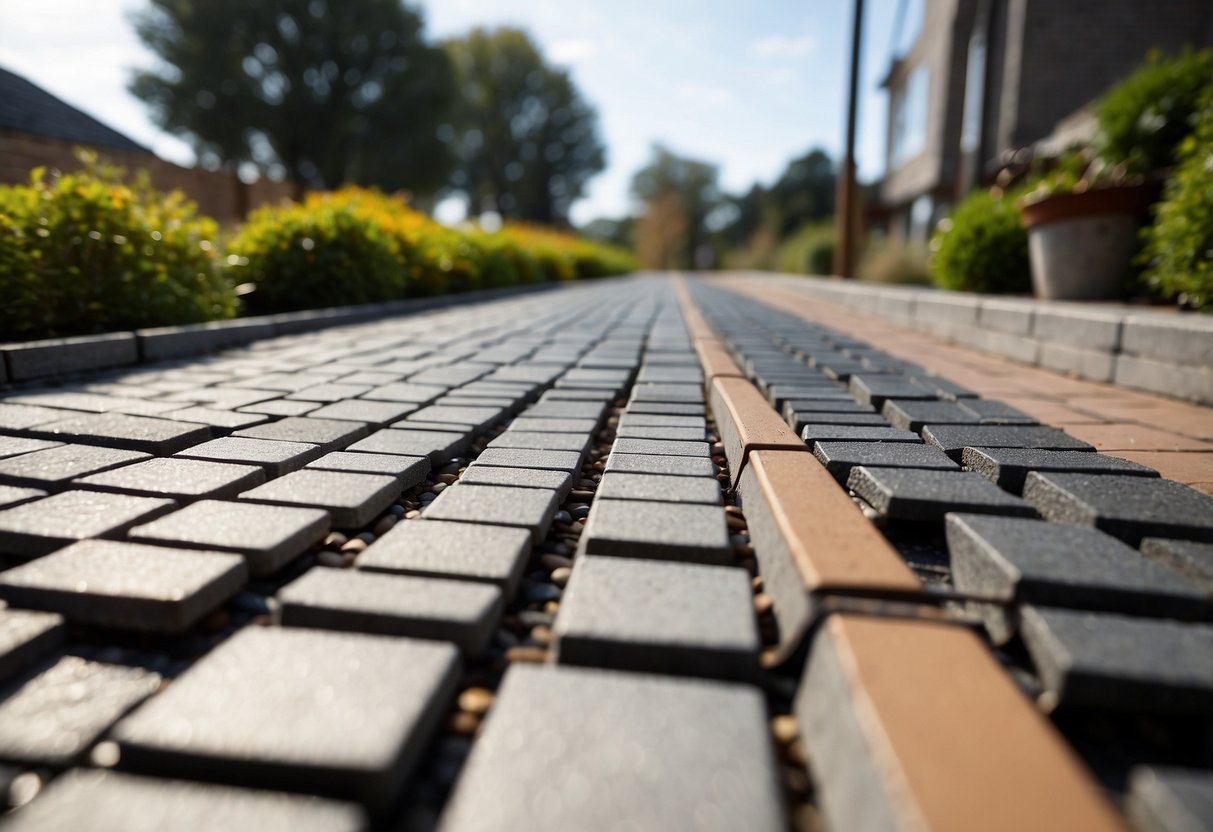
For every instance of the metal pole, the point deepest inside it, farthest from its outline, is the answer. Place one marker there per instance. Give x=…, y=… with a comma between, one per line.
x=845, y=202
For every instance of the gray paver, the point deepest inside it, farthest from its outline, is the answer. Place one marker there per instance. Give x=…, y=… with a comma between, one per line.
x=625, y=750
x=25, y=636
x=559, y=482
x=917, y=494
x=52, y=718
x=953, y=439
x=353, y=500
x=667, y=408
x=378, y=414
x=1167, y=799
x=418, y=394
x=469, y=551
x=35, y=528
x=178, y=478
x=667, y=393
x=840, y=457
x=92, y=402
x=1055, y=564
x=267, y=536
x=569, y=461
x=659, y=488
x=276, y=457
x=106, y=801
x=408, y=470
x=11, y=446
x=1192, y=560
x=660, y=447
x=846, y=433
x=527, y=423
x=464, y=613
x=280, y=407
x=679, y=466
x=438, y=446
x=1088, y=659
x=1009, y=467
x=677, y=434
x=334, y=392
x=577, y=443
x=1128, y=507
x=225, y=398
x=119, y=430
x=333, y=713
x=12, y=495
x=662, y=531
x=528, y=508
x=329, y=434
x=644, y=420
x=223, y=420
x=659, y=617
x=126, y=586
x=61, y=463
x=20, y=416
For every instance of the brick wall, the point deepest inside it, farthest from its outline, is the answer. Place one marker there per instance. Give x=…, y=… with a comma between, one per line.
x=219, y=194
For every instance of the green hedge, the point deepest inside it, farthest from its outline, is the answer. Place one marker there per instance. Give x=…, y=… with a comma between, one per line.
x=982, y=247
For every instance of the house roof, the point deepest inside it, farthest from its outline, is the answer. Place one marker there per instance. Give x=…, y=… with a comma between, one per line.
x=27, y=107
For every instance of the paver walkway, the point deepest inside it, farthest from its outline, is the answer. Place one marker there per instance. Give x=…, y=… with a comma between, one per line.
x=652, y=553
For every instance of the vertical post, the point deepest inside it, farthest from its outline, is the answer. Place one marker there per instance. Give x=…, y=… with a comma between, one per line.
x=845, y=201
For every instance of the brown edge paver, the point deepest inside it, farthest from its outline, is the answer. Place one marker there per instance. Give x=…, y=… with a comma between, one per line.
x=920, y=718
x=747, y=423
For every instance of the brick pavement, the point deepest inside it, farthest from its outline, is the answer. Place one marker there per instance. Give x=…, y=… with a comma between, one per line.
x=588, y=559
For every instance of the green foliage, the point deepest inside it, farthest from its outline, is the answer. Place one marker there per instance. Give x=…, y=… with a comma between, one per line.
x=335, y=91
x=527, y=141
x=982, y=247
x=1179, y=245
x=1143, y=118
x=85, y=252
x=896, y=263
x=809, y=251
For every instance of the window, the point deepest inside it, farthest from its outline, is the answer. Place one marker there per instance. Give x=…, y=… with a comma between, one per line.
x=911, y=106
x=975, y=78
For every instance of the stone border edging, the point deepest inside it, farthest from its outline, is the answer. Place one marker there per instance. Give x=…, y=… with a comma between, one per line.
x=1165, y=353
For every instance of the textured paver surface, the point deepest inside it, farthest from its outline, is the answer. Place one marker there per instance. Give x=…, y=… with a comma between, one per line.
x=649, y=553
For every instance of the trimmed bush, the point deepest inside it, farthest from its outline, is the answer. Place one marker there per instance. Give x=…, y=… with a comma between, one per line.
x=1143, y=118
x=809, y=250
x=1178, y=250
x=982, y=247
x=86, y=252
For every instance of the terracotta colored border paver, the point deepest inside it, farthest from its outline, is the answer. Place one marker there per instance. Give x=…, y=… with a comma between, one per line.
x=920, y=719
x=747, y=423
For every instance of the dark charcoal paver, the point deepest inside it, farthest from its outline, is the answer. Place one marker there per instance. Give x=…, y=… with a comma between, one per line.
x=874, y=390
x=408, y=470
x=118, y=430
x=556, y=481
x=14, y=495
x=844, y=433
x=568, y=461
x=277, y=458
x=528, y=508
x=995, y=412
x=470, y=551
x=105, y=801
x=913, y=415
x=53, y=717
x=464, y=613
x=915, y=494
x=329, y=434
x=1009, y=467
x=35, y=528
x=126, y=586
x=659, y=617
x=1192, y=560
x=678, y=466
x=815, y=421
x=438, y=446
x=660, y=447
x=1055, y=564
x=222, y=420
x=334, y=713
x=188, y=479
x=801, y=408
x=1128, y=507
x=659, y=488
x=25, y=636
x=61, y=463
x=840, y=457
x=378, y=414
x=1166, y=799
x=953, y=439
x=267, y=536
x=625, y=750
x=1088, y=659
x=16, y=445
x=353, y=500
x=662, y=531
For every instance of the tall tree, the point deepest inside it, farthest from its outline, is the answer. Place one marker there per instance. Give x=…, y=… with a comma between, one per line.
x=698, y=195
x=527, y=142
x=335, y=91
x=804, y=192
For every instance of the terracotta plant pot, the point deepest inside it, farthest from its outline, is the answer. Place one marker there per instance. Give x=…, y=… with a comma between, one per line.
x=1082, y=244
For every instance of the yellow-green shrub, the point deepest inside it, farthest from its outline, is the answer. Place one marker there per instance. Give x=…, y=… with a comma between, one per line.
x=87, y=252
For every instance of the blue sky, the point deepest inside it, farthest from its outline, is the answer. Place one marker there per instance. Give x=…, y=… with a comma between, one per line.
x=747, y=85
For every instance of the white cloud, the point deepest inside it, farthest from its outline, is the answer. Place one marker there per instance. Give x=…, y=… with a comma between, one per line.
x=785, y=46
x=572, y=50
x=705, y=93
